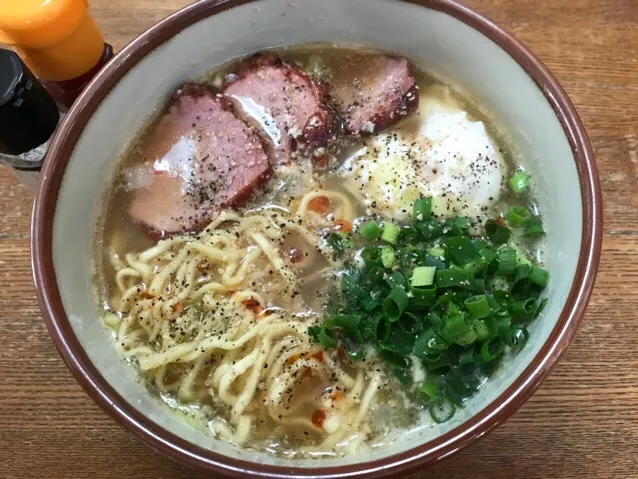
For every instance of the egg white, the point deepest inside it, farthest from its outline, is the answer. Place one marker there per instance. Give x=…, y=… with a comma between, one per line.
x=439, y=152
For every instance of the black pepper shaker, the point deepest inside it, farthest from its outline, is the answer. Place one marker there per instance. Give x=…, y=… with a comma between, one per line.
x=28, y=118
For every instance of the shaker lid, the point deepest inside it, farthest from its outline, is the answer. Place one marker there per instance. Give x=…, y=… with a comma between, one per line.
x=39, y=23
x=28, y=114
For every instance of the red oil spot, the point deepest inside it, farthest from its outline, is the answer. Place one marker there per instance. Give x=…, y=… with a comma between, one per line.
x=320, y=205
x=295, y=255
x=342, y=225
x=253, y=305
x=318, y=417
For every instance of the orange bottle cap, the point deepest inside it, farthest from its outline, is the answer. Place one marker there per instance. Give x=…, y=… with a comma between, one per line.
x=39, y=23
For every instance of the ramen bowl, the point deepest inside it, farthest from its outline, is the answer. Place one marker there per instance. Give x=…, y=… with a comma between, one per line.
x=438, y=35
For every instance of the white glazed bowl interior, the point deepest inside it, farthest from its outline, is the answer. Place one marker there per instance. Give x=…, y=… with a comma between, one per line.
x=431, y=39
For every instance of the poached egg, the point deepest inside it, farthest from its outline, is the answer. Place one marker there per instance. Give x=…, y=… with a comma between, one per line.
x=440, y=152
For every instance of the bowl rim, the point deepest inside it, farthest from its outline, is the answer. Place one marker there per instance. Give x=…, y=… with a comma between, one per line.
x=430, y=452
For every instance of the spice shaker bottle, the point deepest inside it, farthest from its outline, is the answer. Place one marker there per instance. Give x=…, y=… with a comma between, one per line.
x=28, y=118
x=58, y=40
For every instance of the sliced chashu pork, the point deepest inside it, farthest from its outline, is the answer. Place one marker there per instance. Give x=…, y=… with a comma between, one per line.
x=373, y=91
x=285, y=103
x=200, y=157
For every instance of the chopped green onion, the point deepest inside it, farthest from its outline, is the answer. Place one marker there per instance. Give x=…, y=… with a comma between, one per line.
x=525, y=307
x=409, y=323
x=339, y=242
x=388, y=257
x=517, y=337
x=533, y=228
x=370, y=231
x=433, y=291
x=487, y=254
x=430, y=229
x=442, y=410
x=429, y=344
x=383, y=329
x=497, y=234
x=495, y=306
x=481, y=329
x=393, y=358
x=408, y=257
x=458, y=226
x=506, y=261
x=422, y=296
x=539, y=276
x=376, y=272
x=400, y=341
x=390, y=232
x=517, y=215
x=434, y=261
x=395, y=304
x=431, y=389
x=521, y=259
x=466, y=339
x=370, y=324
x=325, y=340
x=448, y=278
x=519, y=182
x=455, y=328
x=409, y=235
x=442, y=361
x=477, y=306
x=423, y=276
x=540, y=308
x=345, y=321
x=422, y=209
x=370, y=254
x=396, y=280
x=466, y=356
x=475, y=267
x=491, y=349
x=460, y=250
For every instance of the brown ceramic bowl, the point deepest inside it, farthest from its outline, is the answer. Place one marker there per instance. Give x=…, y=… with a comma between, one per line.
x=439, y=35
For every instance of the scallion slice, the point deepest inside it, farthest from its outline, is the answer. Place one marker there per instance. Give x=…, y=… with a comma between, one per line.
x=422, y=209
x=409, y=323
x=430, y=388
x=539, y=276
x=477, y=306
x=395, y=304
x=422, y=296
x=533, y=228
x=517, y=215
x=442, y=410
x=524, y=307
x=448, y=278
x=519, y=182
x=390, y=232
x=506, y=261
x=497, y=233
x=370, y=231
x=460, y=250
x=423, y=276
x=491, y=349
x=517, y=337
x=388, y=258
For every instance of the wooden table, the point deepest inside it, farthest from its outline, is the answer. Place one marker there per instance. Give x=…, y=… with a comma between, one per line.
x=583, y=422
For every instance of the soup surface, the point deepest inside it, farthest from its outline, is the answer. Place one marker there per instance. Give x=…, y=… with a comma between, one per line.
x=314, y=248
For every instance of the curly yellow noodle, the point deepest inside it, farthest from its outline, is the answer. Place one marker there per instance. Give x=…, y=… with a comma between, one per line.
x=185, y=321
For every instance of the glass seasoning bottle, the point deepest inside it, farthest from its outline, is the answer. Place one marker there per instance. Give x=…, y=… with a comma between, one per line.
x=59, y=40
x=28, y=118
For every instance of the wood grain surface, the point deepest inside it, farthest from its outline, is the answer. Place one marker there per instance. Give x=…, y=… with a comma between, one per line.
x=582, y=423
